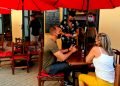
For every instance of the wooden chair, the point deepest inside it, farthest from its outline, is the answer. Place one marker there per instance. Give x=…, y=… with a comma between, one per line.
x=117, y=67
x=43, y=76
x=33, y=51
x=117, y=75
x=1, y=37
x=5, y=55
x=19, y=56
x=1, y=45
x=1, y=41
x=18, y=48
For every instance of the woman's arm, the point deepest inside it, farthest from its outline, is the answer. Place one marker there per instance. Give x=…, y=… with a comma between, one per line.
x=91, y=55
x=66, y=34
x=77, y=31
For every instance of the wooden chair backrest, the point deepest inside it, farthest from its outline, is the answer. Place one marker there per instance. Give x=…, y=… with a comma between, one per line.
x=1, y=37
x=1, y=45
x=8, y=46
x=116, y=56
x=117, y=67
x=18, y=40
x=18, y=45
x=1, y=41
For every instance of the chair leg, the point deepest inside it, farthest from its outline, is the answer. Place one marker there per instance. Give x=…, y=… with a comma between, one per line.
x=40, y=82
x=27, y=66
x=62, y=83
x=0, y=62
x=13, y=67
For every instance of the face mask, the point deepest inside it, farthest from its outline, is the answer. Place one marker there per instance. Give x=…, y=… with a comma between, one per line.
x=59, y=36
x=90, y=19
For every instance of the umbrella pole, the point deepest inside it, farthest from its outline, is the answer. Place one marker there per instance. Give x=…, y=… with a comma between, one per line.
x=23, y=28
x=86, y=27
x=87, y=13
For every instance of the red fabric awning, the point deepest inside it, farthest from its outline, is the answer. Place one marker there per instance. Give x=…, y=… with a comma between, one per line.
x=88, y=4
x=28, y=5
x=5, y=11
x=52, y=2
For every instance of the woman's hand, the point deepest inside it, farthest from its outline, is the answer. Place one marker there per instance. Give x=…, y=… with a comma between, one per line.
x=68, y=35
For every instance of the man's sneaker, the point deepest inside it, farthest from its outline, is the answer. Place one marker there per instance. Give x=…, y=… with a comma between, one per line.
x=68, y=83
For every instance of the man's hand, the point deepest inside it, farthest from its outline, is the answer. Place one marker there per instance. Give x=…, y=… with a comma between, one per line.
x=73, y=48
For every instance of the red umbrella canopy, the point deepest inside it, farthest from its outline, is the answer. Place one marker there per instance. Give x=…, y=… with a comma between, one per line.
x=88, y=4
x=28, y=5
x=5, y=11
x=52, y=2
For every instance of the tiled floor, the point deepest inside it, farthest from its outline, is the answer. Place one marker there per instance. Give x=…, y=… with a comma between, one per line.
x=21, y=77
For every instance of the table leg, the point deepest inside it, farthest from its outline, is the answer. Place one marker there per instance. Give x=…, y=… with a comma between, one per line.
x=73, y=76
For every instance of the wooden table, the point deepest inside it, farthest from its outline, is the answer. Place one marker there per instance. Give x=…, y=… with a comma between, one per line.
x=77, y=60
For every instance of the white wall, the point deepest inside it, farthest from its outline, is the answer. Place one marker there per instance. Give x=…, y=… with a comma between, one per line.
x=110, y=24
x=16, y=24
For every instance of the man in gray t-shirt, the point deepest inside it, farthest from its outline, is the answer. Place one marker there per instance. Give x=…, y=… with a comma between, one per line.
x=48, y=58
x=52, y=54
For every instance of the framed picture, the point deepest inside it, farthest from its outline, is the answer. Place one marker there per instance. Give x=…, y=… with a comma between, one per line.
x=51, y=17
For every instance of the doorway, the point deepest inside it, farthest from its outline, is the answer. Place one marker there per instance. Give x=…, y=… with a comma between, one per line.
x=6, y=27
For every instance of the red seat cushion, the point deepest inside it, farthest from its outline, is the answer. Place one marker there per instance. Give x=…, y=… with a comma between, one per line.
x=20, y=57
x=44, y=74
x=17, y=50
x=5, y=54
x=34, y=52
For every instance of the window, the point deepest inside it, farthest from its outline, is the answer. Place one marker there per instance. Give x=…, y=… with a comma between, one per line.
x=5, y=26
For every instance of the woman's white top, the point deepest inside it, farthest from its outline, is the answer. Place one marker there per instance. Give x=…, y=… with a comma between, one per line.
x=104, y=67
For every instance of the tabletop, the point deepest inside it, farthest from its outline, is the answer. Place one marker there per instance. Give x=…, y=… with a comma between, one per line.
x=77, y=58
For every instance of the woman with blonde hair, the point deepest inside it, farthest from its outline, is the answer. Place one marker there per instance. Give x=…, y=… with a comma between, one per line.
x=102, y=57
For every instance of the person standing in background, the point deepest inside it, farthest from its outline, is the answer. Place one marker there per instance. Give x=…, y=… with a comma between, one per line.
x=91, y=33
x=35, y=25
x=70, y=31
x=81, y=38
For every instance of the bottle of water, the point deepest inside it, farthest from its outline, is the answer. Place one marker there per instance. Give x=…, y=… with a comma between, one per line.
x=83, y=55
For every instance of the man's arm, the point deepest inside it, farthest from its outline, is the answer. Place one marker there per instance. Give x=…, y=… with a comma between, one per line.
x=65, y=50
x=62, y=57
x=68, y=49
